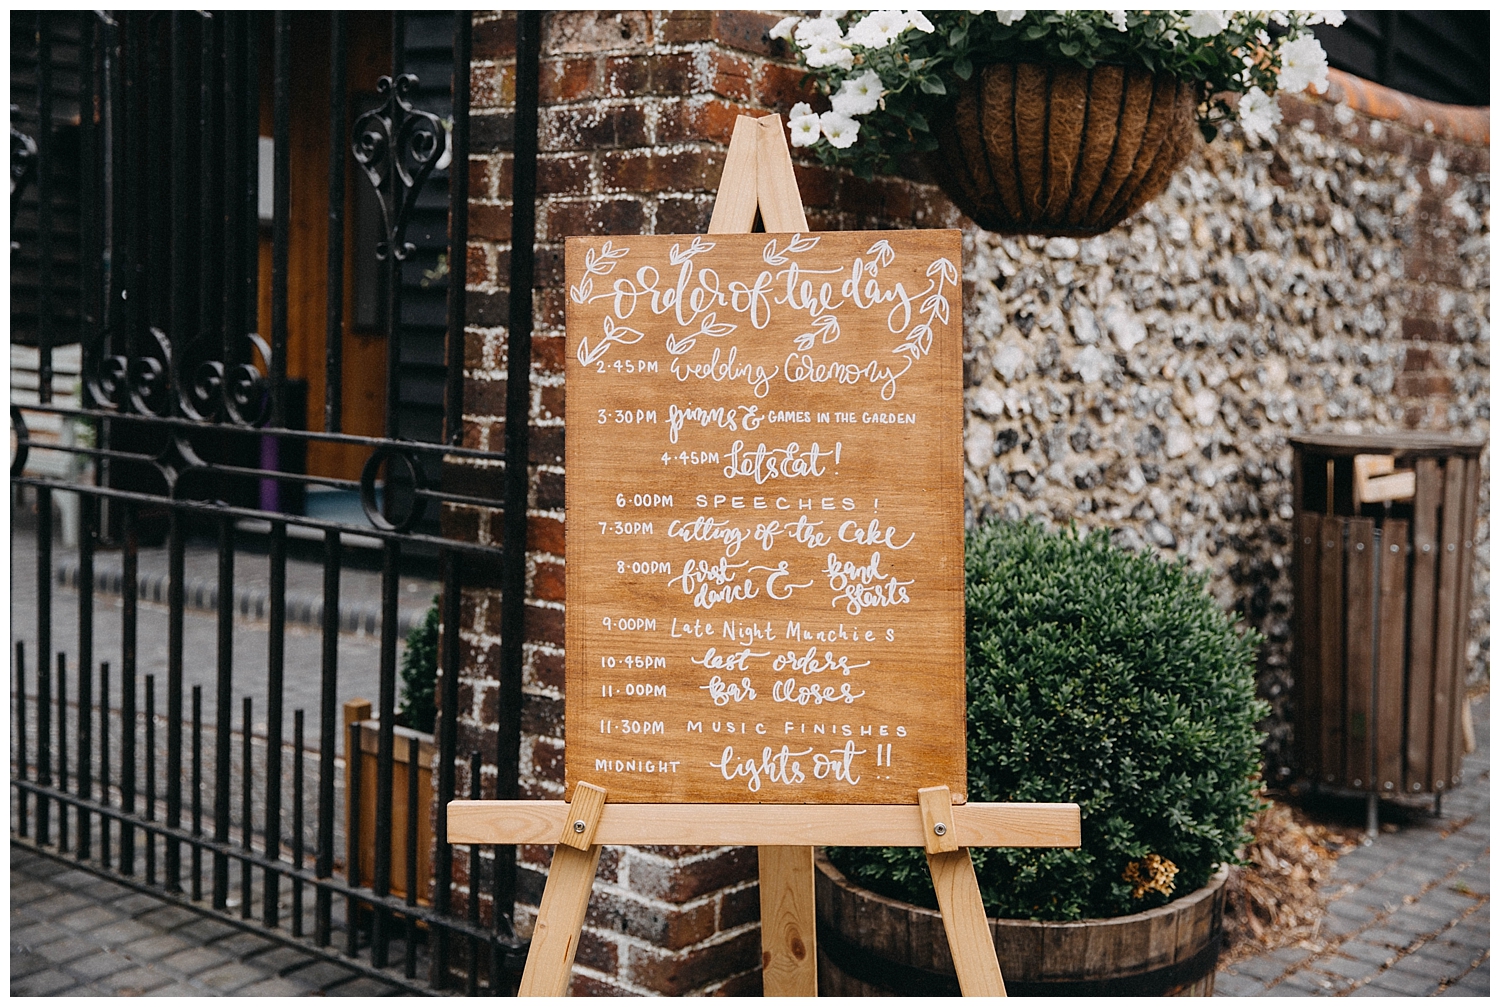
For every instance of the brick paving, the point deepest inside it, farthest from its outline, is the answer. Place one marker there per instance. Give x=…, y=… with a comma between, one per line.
x=73, y=933
x=1409, y=914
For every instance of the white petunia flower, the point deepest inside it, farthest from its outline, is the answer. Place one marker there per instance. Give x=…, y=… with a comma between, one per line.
x=1303, y=63
x=1008, y=16
x=1332, y=18
x=858, y=95
x=1118, y=17
x=1205, y=23
x=1258, y=115
x=835, y=14
x=918, y=20
x=784, y=28
x=878, y=29
x=828, y=52
x=812, y=29
x=840, y=129
x=804, y=125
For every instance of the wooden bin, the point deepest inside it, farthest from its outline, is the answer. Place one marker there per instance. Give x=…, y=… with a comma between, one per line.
x=1383, y=568
x=357, y=711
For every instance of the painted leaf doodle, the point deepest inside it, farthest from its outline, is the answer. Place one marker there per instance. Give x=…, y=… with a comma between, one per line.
x=678, y=345
x=799, y=243
x=613, y=334
x=918, y=342
x=596, y=262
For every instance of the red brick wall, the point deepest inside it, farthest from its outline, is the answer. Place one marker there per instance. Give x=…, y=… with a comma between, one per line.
x=637, y=108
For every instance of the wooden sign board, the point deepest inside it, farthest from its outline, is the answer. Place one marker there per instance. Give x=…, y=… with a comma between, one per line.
x=765, y=517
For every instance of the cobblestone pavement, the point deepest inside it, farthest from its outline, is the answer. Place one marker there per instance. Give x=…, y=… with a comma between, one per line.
x=75, y=934
x=1409, y=914
x=359, y=654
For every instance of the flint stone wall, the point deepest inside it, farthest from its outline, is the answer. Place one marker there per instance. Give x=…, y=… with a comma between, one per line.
x=1145, y=381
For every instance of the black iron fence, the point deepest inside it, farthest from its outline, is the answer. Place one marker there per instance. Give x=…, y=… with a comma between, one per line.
x=182, y=430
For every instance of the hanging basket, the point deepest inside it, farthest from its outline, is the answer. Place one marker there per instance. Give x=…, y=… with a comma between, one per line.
x=1061, y=150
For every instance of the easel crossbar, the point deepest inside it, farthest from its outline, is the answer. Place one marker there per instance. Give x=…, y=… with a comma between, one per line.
x=507, y=822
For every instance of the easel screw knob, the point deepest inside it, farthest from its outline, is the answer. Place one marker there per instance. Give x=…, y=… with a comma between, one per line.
x=579, y=825
x=940, y=829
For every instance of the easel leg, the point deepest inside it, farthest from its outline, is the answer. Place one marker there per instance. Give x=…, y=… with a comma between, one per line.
x=963, y=917
x=788, y=921
x=559, y=921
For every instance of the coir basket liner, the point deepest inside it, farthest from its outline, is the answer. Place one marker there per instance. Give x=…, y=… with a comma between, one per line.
x=1061, y=150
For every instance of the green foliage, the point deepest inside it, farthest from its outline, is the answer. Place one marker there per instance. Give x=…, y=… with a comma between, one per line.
x=1109, y=679
x=418, y=707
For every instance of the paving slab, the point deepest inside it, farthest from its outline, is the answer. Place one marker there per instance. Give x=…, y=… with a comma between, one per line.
x=231, y=976
x=88, y=918
x=281, y=960
x=1400, y=983
x=323, y=974
x=195, y=959
x=60, y=904
x=242, y=945
x=1232, y=985
x=25, y=963
x=275, y=987
x=48, y=982
x=67, y=949
x=167, y=917
x=177, y=990
x=157, y=946
x=134, y=982
x=361, y=986
x=34, y=935
x=103, y=963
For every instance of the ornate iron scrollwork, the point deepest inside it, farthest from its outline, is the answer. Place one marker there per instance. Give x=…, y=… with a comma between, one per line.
x=22, y=436
x=23, y=162
x=141, y=384
x=22, y=166
x=205, y=388
x=176, y=459
x=409, y=143
x=392, y=519
x=208, y=390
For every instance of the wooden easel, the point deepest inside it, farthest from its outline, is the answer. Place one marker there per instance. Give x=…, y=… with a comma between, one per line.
x=758, y=174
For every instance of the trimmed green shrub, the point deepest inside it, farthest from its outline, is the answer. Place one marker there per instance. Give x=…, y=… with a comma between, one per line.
x=1112, y=680
x=418, y=706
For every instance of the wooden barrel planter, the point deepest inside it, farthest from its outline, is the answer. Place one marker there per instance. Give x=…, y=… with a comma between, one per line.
x=1060, y=150
x=869, y=945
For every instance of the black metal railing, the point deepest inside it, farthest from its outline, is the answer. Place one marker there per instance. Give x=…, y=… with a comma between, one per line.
x=183, y=435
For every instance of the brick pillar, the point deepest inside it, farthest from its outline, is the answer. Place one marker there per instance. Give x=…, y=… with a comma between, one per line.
x=637, y=111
